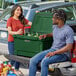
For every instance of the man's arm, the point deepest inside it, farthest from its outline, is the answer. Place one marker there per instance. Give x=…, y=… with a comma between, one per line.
x=49, y=35
x=64, y=49
x=60, y=51
x=45, y=35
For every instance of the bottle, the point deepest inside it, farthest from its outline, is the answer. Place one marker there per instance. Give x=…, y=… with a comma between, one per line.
x=29, y=34
x=36, y=35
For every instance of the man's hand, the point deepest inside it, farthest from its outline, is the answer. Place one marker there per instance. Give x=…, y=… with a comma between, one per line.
x=50, y=54
x=42, y=36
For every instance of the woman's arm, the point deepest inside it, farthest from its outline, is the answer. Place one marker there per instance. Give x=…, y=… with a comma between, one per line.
x=14, y=33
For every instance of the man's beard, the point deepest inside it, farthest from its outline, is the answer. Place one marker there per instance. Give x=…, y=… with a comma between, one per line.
x=55, y=23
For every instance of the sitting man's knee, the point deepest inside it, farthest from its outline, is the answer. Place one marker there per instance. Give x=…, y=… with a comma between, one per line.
x=33, y=61
x=44, y=62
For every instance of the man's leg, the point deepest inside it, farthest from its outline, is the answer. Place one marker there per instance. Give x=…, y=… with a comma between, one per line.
x=49, y=60
x=34, y=61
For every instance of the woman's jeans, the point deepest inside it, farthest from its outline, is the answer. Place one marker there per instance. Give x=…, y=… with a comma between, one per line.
x=45, y=61
x=11, y=52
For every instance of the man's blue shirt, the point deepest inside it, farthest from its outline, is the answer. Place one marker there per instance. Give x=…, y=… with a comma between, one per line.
x=62, y=36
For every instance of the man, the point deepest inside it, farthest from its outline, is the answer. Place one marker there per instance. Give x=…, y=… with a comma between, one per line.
x=60, y=50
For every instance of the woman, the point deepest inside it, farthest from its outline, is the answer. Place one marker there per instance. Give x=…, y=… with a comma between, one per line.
x=15, y=25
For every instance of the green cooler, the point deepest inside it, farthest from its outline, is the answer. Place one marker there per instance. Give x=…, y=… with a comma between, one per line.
x=29, y=44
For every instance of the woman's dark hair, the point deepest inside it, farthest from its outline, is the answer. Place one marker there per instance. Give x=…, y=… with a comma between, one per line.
x=21, y=17
x=60, y=14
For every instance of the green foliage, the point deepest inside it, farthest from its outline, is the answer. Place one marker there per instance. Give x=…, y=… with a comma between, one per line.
x=0, y=3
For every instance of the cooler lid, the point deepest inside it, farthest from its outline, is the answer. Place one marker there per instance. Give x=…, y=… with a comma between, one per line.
x=42, y=23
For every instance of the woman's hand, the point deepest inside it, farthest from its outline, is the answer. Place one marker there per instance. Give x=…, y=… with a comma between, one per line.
x=19, y=31
x=30, y=23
